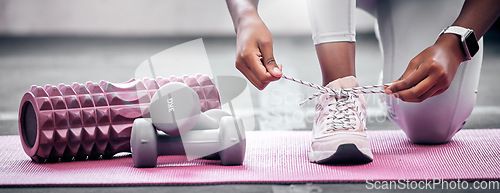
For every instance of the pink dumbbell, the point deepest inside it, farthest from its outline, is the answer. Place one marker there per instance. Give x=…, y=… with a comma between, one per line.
x=87, y=121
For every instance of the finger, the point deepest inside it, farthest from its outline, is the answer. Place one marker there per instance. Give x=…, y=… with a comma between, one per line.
x=440, y=91
x=253, y=63
x=251, y=77
x=429, y=93
x=266, y=48
x=269, y=77
x=412, y=67
x=439, y=88
x=280, y=67
x=413, y=79
x=424, y=96
x=418, y=90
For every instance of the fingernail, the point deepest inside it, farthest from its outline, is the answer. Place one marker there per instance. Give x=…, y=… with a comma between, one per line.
x=277, y=70
x=388, y=91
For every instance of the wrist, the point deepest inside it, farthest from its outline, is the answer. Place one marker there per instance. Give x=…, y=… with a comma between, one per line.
x=452, y=44
x=245, y=17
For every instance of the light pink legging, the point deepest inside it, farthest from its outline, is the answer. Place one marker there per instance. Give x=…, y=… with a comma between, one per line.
x=405, y=28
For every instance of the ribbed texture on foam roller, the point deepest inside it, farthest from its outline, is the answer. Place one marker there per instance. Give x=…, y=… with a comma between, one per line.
x=87, y=121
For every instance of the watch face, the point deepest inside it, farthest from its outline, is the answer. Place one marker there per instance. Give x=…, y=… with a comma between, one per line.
x=471, y=42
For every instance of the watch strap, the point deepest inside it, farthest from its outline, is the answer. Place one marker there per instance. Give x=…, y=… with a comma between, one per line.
x=461, y=31
x=467, y=38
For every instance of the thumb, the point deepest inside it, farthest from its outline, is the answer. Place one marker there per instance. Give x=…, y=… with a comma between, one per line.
x=268, y=60
x=393, y=88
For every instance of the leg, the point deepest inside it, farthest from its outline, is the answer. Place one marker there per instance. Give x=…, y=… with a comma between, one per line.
x=333, y=25
x=407, y=28
x=333, y=29
x=339, y=128
x=336, y=60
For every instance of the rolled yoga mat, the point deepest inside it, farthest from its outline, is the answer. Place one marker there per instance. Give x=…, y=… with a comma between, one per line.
x=93, y=120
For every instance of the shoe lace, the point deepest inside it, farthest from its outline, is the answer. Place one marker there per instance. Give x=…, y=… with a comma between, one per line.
x=341, y=112
x=339, y=116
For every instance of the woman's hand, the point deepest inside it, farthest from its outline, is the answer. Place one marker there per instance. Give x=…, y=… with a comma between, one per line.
x=254, y=51
x=430, y=73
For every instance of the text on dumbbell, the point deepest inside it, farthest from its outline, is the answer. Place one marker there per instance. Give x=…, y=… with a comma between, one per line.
x=170, y=105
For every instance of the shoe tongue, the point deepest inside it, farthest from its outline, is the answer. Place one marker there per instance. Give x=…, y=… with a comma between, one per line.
x=345, y=82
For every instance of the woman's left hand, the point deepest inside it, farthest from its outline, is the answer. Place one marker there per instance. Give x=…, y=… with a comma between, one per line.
x=430, y=73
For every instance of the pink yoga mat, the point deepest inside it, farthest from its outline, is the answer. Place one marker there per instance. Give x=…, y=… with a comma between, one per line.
x=272, y=157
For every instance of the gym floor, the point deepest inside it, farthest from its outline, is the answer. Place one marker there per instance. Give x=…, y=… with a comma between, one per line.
x=54, y=60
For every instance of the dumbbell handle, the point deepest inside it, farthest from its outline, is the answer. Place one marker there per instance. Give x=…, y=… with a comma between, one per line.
x=206, y=122
x=227, y=142
x=205, y=140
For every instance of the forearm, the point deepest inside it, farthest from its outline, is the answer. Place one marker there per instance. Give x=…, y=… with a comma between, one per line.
x=478, y=15
x=240, y=9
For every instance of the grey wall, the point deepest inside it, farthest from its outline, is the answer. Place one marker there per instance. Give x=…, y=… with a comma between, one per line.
x=147, y=17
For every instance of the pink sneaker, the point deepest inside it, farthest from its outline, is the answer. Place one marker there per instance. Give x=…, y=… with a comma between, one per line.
x=339, y=130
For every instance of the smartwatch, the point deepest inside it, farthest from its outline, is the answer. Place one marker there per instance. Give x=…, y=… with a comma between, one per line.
x=467, y=38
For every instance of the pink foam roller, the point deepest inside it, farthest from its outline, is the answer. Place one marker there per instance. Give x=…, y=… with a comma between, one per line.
x=87, y=121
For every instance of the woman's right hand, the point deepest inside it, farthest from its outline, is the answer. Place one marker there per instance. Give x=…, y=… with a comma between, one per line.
x=254, y=51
